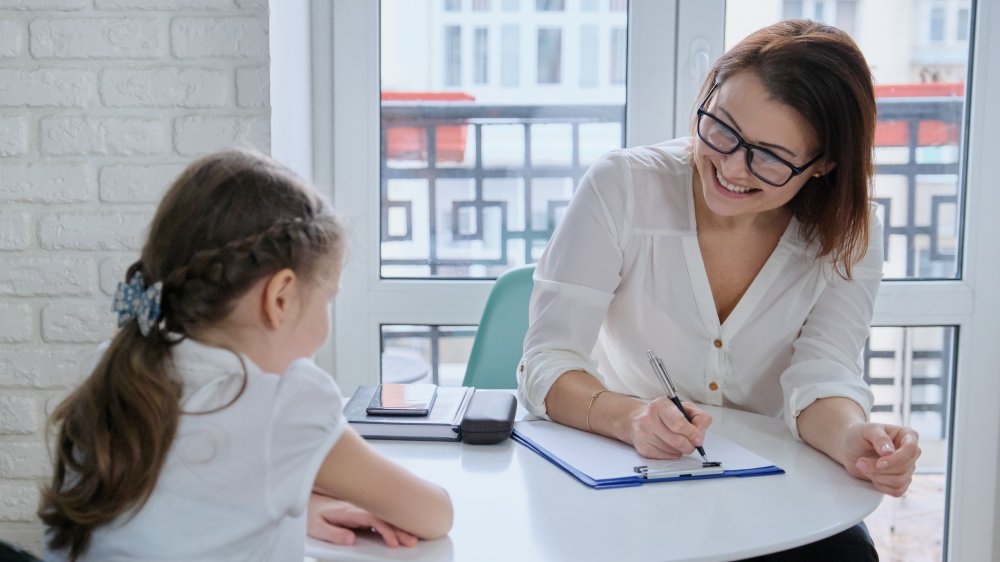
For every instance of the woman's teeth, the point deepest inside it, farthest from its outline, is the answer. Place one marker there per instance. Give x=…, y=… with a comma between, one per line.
x=731, y=187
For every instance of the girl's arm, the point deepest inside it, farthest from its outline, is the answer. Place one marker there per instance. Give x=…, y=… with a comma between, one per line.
x=355, y=472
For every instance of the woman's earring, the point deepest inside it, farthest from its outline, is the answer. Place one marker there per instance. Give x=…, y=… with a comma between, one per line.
x=817, y=174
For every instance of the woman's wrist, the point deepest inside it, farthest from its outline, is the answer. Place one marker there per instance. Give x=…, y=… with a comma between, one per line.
x=614, y=417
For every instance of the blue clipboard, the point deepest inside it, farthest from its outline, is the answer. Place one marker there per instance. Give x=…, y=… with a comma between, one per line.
x=588, y=450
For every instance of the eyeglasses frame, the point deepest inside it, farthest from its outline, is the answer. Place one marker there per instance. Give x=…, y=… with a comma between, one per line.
x=796, y=170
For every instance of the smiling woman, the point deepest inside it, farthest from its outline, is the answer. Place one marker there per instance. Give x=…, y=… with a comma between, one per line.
x=747, y=257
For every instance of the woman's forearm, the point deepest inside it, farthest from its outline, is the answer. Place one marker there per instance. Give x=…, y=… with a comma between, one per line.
x=572, y=396
x=824, y=423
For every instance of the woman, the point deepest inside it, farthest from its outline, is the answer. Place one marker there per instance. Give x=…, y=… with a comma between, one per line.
x=747, y=257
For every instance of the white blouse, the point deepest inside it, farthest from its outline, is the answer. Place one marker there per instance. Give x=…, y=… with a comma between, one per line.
x=236, y=482
x=624, y=273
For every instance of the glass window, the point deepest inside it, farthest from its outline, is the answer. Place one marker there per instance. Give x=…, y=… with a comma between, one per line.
x=452, y=55
x=962, y=25
x=476, y=174
x=846, y=14
x=617, y=5
x=918, y=138
x=589, y=5
x=791, y=9
x=480, y=5
x=911, y=372
x=549, y=56
x=481, y=56
x=588, y=56
x=550, y=5
x=937, y=24
x=619, y=46
x=423, y=353
x=452, y=5
x=510, y=56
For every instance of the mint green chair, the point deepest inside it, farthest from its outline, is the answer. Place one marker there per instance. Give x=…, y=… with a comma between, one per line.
x=499, y=341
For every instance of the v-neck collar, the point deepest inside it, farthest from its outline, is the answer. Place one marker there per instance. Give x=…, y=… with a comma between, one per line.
x=754, y=293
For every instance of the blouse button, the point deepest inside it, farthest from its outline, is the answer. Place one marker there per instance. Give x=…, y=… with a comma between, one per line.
x=713, y=387
x=717, y=343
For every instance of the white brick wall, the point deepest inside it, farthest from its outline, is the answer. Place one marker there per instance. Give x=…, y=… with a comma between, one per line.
x=102, y=104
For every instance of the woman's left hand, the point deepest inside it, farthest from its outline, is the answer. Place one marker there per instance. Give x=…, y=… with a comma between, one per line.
x=884, y=454
x=332, y=520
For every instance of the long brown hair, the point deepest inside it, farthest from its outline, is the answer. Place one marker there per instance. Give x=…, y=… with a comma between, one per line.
x=230, y=219
x=820, y=72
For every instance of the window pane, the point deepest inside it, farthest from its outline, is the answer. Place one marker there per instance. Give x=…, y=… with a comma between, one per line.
x=489, y=120
x=550, y=5
x=510, y=56
x=421, y=353
x=912, y=374
x=452, y=55
x=481, y=56
x=619, y=45
x=588, y=56
x=549, y=56
x=937, y=24
x=920, y=86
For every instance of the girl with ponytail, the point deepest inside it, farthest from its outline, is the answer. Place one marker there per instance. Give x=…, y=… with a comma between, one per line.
x=204, y=426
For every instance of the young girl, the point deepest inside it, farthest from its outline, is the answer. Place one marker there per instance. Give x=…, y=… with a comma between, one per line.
x=204, y=426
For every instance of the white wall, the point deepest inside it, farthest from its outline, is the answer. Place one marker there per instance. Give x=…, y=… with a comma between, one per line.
x=102, y=103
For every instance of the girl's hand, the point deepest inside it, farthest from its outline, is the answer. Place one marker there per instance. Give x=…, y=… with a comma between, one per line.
x=658, y=430
x=884, y=454
x=331, y=520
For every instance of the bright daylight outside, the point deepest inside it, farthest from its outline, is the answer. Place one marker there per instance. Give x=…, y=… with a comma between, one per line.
x=493, y=109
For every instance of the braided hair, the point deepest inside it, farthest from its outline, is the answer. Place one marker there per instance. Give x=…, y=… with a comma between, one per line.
x=231, y=219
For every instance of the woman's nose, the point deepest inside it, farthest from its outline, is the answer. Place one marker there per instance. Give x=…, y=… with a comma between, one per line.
x=734, y=165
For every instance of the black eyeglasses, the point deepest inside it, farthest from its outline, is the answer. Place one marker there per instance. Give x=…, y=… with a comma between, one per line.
x=766, y=165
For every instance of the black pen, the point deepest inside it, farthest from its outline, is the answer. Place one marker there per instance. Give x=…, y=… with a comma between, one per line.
x=661, y=373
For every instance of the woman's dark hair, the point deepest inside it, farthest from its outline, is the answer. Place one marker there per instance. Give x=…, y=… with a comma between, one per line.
x=231, y=219
x=820, y=72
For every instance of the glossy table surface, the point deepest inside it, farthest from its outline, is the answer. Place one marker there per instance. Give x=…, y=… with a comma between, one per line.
x=512, y=504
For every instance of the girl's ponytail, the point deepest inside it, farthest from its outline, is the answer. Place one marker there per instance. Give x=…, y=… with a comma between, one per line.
x=114, y=434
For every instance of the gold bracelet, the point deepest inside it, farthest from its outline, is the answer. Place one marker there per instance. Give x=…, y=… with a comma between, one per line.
x=592, y=398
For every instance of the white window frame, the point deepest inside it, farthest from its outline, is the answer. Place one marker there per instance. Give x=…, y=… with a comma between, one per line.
x=345, y=90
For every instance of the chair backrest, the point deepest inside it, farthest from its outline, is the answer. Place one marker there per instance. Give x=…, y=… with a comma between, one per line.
x=499, y=341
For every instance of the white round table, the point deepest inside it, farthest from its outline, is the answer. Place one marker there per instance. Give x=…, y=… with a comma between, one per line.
x=513, y=505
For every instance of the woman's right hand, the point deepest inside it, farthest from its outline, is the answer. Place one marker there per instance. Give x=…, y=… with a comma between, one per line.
x=658, y=430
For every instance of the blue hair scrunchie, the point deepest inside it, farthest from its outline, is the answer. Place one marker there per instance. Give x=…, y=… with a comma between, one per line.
x=135, y=300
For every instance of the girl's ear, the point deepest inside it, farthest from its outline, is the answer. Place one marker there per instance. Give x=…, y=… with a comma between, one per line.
x=279, y=291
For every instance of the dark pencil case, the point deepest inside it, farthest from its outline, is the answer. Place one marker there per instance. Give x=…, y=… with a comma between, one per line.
x=489, y=418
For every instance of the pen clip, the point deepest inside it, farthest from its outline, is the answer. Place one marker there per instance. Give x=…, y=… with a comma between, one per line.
x=661, y=372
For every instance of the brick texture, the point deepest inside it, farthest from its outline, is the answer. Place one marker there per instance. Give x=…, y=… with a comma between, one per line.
x=11, y=39
x=102, y=104
x=44, y=87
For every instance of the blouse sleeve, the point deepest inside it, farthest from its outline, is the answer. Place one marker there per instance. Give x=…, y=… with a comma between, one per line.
x=575, y=280
x=305, y=424
x=827, y=356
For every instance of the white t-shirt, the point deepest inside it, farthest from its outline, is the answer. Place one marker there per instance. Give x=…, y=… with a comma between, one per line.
x=236, y=482
x=623, y=273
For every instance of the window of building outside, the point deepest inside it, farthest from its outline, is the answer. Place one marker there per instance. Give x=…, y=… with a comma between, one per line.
x=549, y=56
x=481, y=55
x=476, y=174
